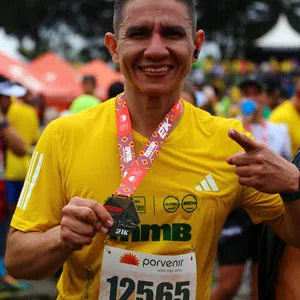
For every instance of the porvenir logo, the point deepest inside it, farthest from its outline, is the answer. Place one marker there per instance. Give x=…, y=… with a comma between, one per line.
x=129, y=259
x=171, y=204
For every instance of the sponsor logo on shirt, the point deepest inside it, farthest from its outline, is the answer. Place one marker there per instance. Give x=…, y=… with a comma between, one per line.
x=179, y=232
x=208, y=184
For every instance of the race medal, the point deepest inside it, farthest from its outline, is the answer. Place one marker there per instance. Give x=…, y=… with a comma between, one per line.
x=133, y=275
x=124, y=213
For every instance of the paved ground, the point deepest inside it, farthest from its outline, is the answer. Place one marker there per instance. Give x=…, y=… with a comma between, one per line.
x=46, y=290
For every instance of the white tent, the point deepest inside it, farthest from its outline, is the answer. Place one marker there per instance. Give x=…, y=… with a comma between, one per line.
x=281, y=36
x=9, y=45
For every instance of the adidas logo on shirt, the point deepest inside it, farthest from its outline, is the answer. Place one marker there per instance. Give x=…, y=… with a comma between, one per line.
x=208, y=184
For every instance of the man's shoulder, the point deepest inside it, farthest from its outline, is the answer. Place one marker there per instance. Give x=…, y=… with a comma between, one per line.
x=19, y=110
x=217, y=123
x=281, y=109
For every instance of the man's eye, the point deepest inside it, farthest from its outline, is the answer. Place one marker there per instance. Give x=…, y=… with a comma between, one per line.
x=138, y=34
x=173, y=34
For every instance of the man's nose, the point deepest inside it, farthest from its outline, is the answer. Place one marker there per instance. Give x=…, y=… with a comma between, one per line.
x=157, y=48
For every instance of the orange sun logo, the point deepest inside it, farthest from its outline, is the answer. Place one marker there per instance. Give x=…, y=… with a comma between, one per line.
x=129, y=259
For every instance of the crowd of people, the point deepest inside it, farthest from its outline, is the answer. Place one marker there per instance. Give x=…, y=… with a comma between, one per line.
x=169, y=171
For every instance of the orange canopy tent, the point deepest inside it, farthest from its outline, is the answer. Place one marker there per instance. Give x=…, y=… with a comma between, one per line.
x=16, y=71
x=60, y=77
x=104, y=75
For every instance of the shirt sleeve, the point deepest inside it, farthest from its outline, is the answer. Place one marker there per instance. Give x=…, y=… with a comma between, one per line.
x=260, y=206
x=42, y=198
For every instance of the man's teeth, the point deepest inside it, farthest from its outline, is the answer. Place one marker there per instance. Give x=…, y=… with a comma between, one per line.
x=156, y=70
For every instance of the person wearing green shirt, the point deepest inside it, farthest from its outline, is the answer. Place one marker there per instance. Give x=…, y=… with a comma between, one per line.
x=88, y=99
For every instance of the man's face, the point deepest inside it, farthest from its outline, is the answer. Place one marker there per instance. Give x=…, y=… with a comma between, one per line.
x=253, y=92
x=155, y=45
x=88, y=87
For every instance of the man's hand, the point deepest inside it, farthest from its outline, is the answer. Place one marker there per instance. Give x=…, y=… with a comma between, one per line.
x=259, y=167
x=82, y=219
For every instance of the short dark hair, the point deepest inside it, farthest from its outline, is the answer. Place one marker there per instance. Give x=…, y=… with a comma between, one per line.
x=89, y=78
x=119, y=8
x=115, y=89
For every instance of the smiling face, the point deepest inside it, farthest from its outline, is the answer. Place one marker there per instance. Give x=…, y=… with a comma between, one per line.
x=155, y=45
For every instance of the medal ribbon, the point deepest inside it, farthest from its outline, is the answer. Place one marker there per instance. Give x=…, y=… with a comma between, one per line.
x=133, y=170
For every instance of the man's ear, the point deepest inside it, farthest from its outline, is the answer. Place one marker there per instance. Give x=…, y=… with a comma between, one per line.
x=111, y=44
x=198, y=42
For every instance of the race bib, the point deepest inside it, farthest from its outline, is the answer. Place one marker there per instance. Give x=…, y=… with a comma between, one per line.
x=139, y=276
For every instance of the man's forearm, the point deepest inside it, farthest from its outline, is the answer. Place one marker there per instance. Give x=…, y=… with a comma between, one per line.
x=292, y=222
x=35, y=255
x=14, y=142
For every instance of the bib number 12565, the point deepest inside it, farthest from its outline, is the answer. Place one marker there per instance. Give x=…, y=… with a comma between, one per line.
x=145, y=290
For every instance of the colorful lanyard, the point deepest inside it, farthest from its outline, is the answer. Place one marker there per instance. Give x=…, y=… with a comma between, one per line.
x=264, y=138
x=134, y=169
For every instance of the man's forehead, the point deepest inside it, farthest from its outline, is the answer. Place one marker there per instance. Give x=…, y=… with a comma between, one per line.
x=141, y=12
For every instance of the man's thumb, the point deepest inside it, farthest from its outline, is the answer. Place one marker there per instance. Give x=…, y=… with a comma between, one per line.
x=244, y=141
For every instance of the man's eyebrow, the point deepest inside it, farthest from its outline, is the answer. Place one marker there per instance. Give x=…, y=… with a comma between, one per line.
x=176, y=28
x=133, y=29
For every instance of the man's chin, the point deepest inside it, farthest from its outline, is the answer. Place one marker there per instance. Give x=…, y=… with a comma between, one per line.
x=156, y=91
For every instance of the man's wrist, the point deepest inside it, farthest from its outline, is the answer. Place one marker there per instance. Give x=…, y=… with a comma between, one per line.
x=294, y=194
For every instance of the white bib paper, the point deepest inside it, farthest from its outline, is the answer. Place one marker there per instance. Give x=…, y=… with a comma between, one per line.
x=139, y=276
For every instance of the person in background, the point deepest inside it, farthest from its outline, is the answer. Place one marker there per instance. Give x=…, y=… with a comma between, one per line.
x=13, y=143
x=188, y=93
x=88, y=99
x=239, y=240
x=289, y=113
x=253, y=104
x=115, y=89
x=279, y=269
x=274, y=93
x=229, y=105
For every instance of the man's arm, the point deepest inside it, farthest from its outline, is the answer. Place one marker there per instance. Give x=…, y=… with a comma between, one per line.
x=40, y=255
x=260, y=168
x=14, y=142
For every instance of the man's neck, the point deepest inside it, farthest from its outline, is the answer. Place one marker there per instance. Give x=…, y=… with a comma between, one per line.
x=147, y=112
x=256, y=118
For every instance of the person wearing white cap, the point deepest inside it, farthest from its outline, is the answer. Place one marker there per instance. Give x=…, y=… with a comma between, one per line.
x=23, y=118
x=14, y=142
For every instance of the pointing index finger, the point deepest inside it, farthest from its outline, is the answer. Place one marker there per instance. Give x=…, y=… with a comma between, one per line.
x=244, y=141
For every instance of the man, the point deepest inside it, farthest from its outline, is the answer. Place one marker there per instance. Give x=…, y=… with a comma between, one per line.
x=23, y=118
x=289, y=113
x=88, y=99
x=12, y=139
x=239, y=240
x=182, y=196
x=285, y=256
x=13, y=143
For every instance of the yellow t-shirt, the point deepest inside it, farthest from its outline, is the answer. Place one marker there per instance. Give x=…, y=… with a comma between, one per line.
x=287, y=114
x=188, y=192
x=23, y=118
